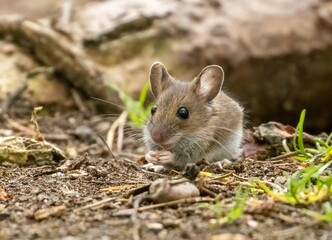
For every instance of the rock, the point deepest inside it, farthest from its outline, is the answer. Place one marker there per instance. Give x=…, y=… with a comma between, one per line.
x=276, y=54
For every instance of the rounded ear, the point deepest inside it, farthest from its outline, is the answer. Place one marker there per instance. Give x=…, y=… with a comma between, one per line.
x=209, y=82
x=158, y=76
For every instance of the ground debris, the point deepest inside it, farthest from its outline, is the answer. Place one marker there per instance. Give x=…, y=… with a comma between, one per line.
x=273, y=132
x=228, y=236
x=48, y=212
x=27, y=151
x=4, y=195
x=164, y=190
x=54, y=49
x=100, y=192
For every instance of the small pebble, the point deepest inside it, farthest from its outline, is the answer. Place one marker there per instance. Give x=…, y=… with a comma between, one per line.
x=155, y=226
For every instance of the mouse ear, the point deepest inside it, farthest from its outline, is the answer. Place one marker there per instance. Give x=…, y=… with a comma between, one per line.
x=158, y=77
x=209, y=82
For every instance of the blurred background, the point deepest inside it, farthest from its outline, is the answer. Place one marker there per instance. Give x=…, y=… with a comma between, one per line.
x=277, y=54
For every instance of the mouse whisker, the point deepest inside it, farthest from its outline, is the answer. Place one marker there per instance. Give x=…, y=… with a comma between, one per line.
x=105, y=101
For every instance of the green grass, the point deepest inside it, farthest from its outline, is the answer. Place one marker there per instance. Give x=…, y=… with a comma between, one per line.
x=235, y=212
x=298, y=136
x=305, y=186
x=136, y=109
x=310, y=184
x=325, y=216
x=323, y=149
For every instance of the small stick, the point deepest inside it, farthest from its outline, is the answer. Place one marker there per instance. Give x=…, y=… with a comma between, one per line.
x=284, y=164
x=153, y=173
x=241, y=178
x=26, y=131
x=176, y=202
x=21, y=88
x=135, y=220
x=223, y=176
x=111, y=133
x=122, y=123
x=108, y=148
x=209, y=192
x=96, y=204
x=129, y=155
x=12, y=97
x=79, y=102
x=283, y=156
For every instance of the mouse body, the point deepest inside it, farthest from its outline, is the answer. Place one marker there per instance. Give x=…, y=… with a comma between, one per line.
x=192, y=120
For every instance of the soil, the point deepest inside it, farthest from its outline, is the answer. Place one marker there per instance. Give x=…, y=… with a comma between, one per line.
x=53, y=201
x=93, y=195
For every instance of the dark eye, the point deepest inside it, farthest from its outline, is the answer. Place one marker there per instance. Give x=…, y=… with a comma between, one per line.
x=153, y=110
x=182, y=113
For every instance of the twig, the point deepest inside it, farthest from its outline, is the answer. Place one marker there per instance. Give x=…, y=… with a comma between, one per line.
x=37, y=134
x=117, y=124
x=78, y=163
x=122, y=123
x=132, y=163
x=129, y=155
x=65, y=13
x=67, y=58
x=223, y=176
x=241, y=178
x=208, y=192
x=21, y=88
x=96, y=204
x=134, y=218
x=12, y=97
x=284, y=164
x=176, y=202
x=79, y=102
x=152, y=173
x=26, y=131
x=283, y=156
x=108, y=148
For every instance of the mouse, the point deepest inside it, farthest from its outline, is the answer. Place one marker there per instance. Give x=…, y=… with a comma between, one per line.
x=191, y=120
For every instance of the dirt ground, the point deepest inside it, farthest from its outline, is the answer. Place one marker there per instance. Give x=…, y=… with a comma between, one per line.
x=57, y=201
x=93, y=195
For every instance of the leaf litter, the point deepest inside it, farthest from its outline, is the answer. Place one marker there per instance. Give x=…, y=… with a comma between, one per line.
x=94, y=195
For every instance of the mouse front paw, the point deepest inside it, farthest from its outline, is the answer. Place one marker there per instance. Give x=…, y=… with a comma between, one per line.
x=160, y=157
x=166, y=157
x=152, y=157
x=155, y=168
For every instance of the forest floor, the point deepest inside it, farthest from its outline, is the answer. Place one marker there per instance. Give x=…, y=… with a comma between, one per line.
x=92, y=195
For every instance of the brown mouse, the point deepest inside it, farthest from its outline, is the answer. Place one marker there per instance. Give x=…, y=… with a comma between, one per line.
x=192, y=120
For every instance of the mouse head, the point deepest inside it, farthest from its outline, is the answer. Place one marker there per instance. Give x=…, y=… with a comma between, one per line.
x=181, y=106
x=207, y=84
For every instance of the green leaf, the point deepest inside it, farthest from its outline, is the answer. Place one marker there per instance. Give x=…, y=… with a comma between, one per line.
x=299, y=135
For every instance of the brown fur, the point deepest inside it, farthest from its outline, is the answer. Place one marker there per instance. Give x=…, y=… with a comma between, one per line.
x=209, y=132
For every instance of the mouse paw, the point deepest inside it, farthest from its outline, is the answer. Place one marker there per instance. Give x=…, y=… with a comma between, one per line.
x=155, y=168
x=166, y=157
x=152, y=157
x=223, y=163
x=160, y=157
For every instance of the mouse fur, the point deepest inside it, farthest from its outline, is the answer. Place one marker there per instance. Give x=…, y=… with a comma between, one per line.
x=213, y=129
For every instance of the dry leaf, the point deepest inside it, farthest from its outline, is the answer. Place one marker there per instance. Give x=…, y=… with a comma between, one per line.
x=4, y=195
x=27, y=151
x=228, y=236
x=48, y=212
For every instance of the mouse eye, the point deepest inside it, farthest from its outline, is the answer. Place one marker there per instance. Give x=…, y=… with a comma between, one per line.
x=153, y=110
x=182, y=113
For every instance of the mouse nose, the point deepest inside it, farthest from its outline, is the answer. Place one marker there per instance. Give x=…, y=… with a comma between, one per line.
x=159, y=136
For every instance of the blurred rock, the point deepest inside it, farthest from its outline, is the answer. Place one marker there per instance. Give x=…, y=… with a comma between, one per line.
x=276, y=54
